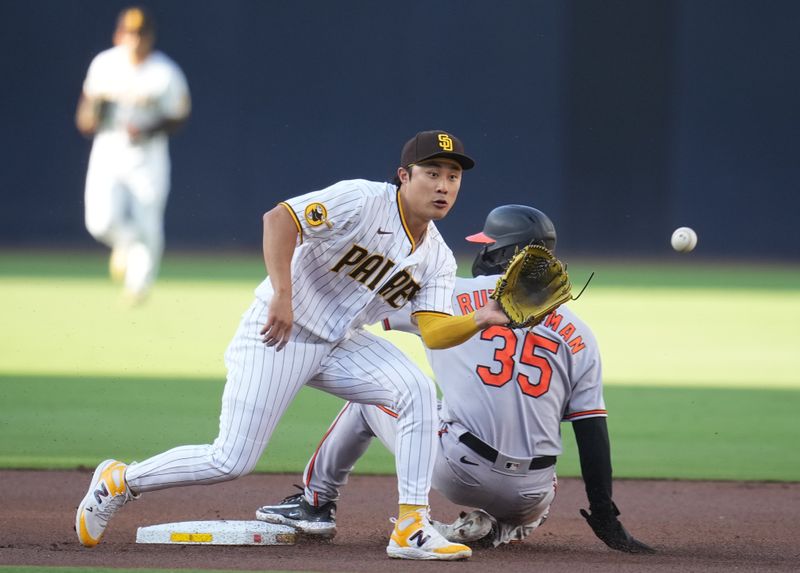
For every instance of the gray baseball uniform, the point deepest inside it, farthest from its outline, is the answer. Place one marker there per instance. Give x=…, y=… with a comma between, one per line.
x=505, y=394
x=356, y=262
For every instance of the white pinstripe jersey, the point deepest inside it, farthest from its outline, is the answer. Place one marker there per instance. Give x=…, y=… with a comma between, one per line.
x=513, y=387
x=356, y=260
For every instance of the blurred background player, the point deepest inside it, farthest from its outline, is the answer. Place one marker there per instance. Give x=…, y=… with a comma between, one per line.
x=505, y=394
x=133, y=98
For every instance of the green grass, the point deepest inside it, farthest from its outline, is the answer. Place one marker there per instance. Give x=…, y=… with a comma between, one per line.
x=676, y=271
x=699, y=364
x=55, y=422
x=79, y=421
x=687, y=337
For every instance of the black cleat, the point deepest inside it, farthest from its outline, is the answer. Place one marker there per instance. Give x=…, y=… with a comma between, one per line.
x=296, y=512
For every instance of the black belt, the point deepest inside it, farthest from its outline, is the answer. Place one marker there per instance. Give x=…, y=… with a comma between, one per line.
x=488, y=452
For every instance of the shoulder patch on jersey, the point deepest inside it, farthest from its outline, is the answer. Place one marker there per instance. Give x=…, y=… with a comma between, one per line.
x=316, y=214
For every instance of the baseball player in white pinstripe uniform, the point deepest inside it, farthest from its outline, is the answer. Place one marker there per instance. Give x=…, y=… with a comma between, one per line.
x=133, y=98
x=505, y=394
x=337, y=259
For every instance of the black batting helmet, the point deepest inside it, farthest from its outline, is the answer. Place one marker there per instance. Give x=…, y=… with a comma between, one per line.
x=507, y=229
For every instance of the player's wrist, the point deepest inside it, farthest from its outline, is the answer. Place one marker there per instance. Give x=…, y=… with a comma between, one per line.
x=282, y=291
x=605, y=509
x=489, y=315
x=148, y=131
x=481, y=318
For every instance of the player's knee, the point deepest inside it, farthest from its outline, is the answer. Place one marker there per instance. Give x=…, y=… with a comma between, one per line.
x=231, y=467
x=99, y=229
x=422, y=389
x=419, y=399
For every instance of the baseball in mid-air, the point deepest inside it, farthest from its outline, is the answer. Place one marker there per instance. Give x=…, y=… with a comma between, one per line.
x=684, y=239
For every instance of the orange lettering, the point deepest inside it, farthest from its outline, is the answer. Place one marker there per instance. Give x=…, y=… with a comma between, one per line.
x=464, y=303
x=553, y=321
x=576, y=344
x=567, y=331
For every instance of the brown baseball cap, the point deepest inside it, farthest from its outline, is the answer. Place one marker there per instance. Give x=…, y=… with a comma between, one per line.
x=436, y=143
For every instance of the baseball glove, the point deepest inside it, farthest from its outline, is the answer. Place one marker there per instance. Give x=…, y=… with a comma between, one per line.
x=533, y=284
x=610, y=531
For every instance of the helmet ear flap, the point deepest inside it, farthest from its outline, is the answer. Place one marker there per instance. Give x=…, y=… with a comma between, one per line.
x=479, y=265
x=488, y=262
x=494, y=261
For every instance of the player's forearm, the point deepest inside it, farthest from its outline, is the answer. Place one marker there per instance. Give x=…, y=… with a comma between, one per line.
x=165, y=125
x=441, y=331
x=280, y=238
x=87, y=116
x=594, y=450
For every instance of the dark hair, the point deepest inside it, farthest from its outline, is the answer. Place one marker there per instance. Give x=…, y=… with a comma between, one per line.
x=396, y=181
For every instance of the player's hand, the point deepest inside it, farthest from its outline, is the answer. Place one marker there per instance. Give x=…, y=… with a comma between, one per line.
x=610, y=531
x=135, y=134
x=91, y=113
x=491, y=314
x=279, y=322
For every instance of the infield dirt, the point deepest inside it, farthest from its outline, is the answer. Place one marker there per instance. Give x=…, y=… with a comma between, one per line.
x=696, y=526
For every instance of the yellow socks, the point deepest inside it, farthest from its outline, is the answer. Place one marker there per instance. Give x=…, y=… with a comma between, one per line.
x=407, y=508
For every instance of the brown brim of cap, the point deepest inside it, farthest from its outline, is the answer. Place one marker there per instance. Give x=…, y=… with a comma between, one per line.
x=464, y=161
x=480, y=238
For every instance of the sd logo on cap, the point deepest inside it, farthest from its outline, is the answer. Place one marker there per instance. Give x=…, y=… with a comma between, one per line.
x=431, y=144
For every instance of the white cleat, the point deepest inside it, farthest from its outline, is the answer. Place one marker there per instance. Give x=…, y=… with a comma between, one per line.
x=107, y=493
x=415, y=538
x=506, y=533
x=469, y=527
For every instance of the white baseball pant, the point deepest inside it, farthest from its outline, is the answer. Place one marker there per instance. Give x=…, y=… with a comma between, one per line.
x=125, y=199
x=262, y=383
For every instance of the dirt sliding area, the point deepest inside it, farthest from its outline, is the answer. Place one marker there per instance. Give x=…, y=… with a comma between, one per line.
x=696, y=526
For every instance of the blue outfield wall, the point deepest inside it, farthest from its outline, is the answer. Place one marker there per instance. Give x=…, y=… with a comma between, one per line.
x=622, y=119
